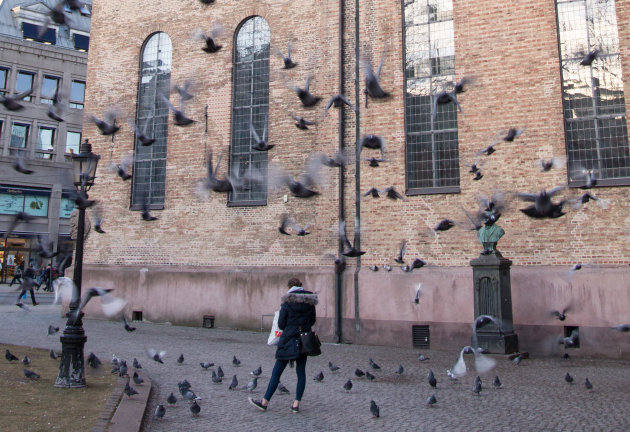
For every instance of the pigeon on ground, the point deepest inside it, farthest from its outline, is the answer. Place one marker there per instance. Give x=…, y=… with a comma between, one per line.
x=319, y=377
x=190, y=395
x=130, y=391
x=369, y=376
x=220, y=373
x=431, y=378
x=400, y=370
x=206, y=365
x=233, y=383
x=568, y=378
x=26, y=361
x=171, y=399
x=156, y=356
x=374, y=409
x=136, y=363
x=195, y=409
x=373, y=365
x=251, y=386
x=52, y=330
x=431, y=400
x=517, y=359
x=477, y=388
x=282, y=389
x=566, y=356
x=332, y=367
x=30, y=374
x=180, y=359
x=216, y=379
x=422, y=357
x=588, y=385
x=122, y=368
x=359, y=373
x=497, y=382
x=136, y=379
x=53, y=355
x=257, y=371
x=235, y=362
x=160, y=411
x=348, y=385
x=93, y=361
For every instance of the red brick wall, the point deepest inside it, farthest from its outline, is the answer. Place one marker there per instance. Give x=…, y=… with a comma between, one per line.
x=509, y=48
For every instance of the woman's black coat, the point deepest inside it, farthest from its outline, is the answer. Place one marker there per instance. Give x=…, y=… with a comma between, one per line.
x=296, y=313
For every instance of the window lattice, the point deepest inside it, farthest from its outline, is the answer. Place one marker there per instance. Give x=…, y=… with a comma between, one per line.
x=432, y=159
x=596, y=131
x=149, y=172
x=250, y=104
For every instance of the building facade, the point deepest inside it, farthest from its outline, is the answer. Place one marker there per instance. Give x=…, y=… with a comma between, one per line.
x=51, y=59
x=524, y=68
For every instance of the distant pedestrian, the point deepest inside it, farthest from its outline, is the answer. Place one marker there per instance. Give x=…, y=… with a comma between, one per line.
x=27, y=285
x=297, y=313
x=17, y=274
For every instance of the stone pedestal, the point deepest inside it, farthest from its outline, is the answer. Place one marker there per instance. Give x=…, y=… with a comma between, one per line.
x=493, y=296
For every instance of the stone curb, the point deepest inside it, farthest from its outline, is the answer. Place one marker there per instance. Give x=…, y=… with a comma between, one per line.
x=130, y=411
x=124, y=414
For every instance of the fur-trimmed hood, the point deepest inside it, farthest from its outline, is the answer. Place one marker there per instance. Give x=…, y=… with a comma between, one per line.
x=300, y=297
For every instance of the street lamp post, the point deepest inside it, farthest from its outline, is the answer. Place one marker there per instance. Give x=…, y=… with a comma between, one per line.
x=72, y=367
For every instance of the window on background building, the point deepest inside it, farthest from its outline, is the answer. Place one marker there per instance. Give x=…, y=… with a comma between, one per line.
x=19, y=136
x=81, y=42
x=73, y=141
x=45, y=142
x=23, y=83
x=37, y=33
x=432, y=156
x=31, y=201
x=596, y=132
x=149, y=170
x=250, y=104
x=50, y=86
x=4, y=74
x=67, y=206
x=77, y=94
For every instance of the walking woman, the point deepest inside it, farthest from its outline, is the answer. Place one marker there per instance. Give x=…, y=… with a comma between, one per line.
x=297, y=313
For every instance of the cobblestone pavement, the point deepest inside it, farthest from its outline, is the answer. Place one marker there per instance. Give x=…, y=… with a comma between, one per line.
x=535, y=396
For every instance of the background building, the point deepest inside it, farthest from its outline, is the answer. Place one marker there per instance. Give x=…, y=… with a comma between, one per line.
x=224, y=256
x=52, y=60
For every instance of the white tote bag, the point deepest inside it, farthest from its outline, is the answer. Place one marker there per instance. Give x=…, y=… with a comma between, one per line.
x=275, y=334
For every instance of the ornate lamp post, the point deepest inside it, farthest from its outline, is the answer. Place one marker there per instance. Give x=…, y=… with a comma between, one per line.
x=72, y=367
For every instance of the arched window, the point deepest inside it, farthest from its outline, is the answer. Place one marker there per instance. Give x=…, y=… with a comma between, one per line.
x=250, y=103
x=149, y=170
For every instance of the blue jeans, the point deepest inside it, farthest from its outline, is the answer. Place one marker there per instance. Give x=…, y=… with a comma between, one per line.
x=300, y=369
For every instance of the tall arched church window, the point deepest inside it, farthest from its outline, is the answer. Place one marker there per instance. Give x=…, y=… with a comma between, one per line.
x=250, y=104
x=149, y=170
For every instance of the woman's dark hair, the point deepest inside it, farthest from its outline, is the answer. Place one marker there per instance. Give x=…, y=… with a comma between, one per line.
x=294, y=282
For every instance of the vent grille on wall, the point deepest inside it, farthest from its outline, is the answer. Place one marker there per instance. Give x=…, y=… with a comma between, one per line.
x=420, y=336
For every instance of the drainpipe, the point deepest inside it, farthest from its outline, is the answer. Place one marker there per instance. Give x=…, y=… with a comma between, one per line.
x=340, y=267
x=357, y=198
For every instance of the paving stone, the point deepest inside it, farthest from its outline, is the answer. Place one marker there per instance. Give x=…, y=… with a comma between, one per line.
x=534, y=396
